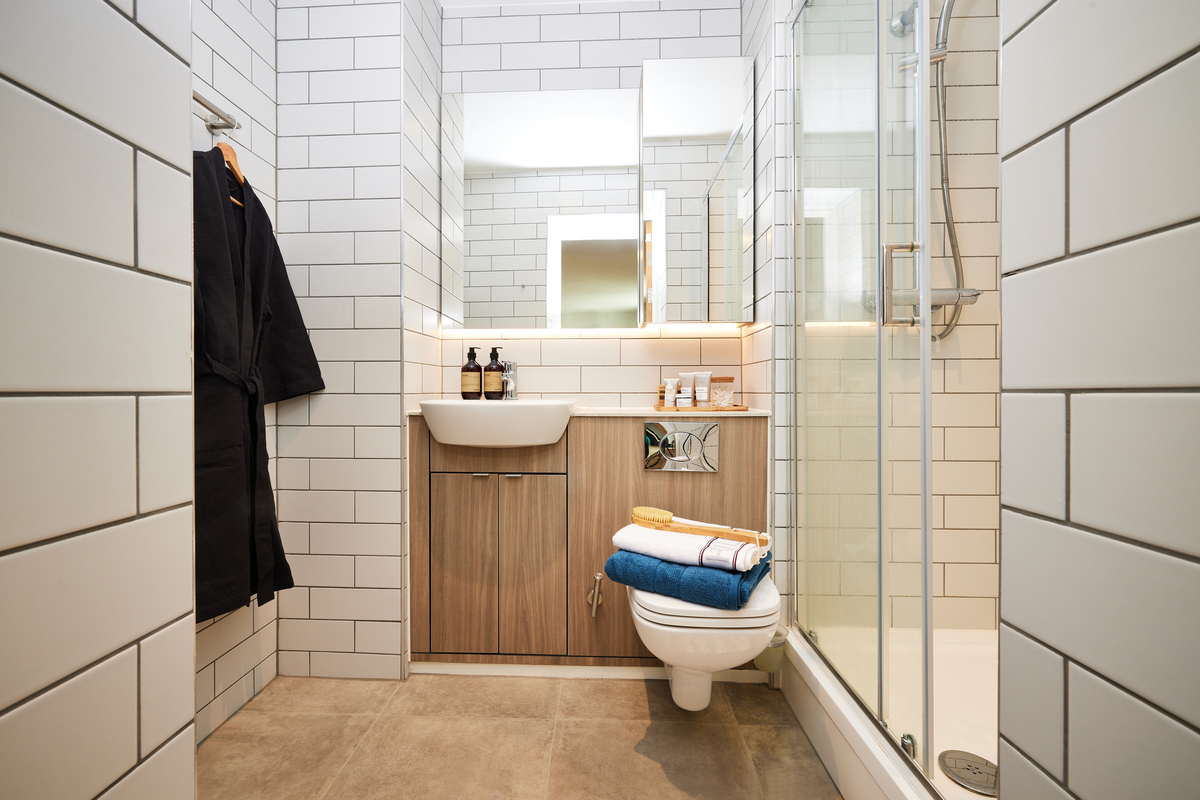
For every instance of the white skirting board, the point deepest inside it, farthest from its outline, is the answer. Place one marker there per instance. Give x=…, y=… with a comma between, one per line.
x=573, y=671
x=862, y=764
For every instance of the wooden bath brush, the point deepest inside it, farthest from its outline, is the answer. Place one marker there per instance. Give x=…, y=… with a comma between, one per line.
x=660, y=520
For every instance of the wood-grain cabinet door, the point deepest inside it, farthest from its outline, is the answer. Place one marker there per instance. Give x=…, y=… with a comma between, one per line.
x=464, y=563
x=533, y=564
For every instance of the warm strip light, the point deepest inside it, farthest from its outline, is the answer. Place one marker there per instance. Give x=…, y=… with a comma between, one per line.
x=836, y=324
x=697, y=329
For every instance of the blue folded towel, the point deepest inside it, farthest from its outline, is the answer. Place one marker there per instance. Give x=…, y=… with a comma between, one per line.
x=704, y=585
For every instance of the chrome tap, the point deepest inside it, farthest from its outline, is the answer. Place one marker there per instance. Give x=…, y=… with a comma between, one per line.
x=509, y=379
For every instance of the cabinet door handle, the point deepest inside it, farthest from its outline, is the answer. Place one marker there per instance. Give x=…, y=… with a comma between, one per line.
x=513, y=474
x=480, y=474
x=594, y=597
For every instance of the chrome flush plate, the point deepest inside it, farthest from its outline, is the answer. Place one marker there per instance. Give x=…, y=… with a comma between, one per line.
x=681, y=446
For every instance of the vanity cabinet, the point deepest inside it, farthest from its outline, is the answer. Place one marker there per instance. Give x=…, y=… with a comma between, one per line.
x=497, y=563
x=505, y=543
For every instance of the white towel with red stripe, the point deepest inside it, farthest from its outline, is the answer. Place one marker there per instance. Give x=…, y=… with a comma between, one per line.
x=690, y=549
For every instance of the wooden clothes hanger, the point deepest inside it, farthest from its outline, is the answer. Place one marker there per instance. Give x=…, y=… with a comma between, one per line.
x=231, y=159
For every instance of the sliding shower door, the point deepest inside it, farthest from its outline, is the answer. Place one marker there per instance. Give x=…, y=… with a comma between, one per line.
x=863, y=354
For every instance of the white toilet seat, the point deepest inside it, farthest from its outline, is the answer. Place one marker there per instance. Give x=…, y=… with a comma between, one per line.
x=761, y=610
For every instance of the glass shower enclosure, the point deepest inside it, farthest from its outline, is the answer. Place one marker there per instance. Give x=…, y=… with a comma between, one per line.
x=858, y=99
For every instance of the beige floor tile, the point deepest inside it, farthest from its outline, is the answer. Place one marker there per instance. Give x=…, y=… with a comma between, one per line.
x=787, y=766
x=644, y=700
x=267, y=755
x=475, y=696
x=324, y=695
x=432, y=757
x=755, y=704
x=636, y=760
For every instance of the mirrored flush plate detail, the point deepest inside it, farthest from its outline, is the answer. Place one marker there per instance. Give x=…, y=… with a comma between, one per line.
x=681, y=446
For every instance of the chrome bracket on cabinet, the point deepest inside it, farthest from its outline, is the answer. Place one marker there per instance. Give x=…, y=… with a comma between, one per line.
x=681, y=446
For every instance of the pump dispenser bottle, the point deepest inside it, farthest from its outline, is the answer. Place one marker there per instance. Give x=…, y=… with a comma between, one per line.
x=472, y=377
x=493, y=377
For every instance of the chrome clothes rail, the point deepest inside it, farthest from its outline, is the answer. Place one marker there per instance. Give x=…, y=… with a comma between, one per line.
x=217, y=121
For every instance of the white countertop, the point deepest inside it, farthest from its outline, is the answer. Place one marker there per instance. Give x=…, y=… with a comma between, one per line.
x=639, y=411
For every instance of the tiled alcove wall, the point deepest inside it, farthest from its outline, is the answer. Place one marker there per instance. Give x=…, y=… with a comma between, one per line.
x=1101, y=432
x=97, y=628
x=233, y=65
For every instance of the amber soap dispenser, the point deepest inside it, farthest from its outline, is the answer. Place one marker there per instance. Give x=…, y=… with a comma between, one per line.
x=472, y=377
x=493, y=377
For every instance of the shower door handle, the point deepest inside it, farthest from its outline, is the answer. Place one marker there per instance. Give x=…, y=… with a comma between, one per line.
x=886, y=300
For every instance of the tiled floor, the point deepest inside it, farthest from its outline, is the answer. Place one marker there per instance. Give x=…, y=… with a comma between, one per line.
x=442, y=736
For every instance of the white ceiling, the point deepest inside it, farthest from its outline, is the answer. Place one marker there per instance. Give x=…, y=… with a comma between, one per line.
x=692, y=97
x=550, y=130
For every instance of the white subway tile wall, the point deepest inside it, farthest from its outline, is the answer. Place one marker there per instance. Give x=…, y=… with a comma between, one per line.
x=1101, y=547
x=234, y=66
x=362, y=229
x=95, y=425
x=519, y=47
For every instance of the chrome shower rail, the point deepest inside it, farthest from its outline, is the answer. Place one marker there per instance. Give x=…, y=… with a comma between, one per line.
x=217, y=121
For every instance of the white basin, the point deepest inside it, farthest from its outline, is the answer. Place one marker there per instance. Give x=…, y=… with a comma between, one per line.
x=497, y=423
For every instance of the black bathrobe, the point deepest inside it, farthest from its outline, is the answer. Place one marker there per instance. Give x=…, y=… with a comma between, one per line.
x=251, y=349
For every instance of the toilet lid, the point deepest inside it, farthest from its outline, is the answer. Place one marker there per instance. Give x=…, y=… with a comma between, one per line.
x=763, y=604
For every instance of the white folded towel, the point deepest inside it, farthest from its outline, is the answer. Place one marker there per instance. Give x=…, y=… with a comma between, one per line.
x=690, y=549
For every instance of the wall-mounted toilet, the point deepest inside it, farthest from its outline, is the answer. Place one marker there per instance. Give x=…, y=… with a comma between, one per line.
x=695, y=641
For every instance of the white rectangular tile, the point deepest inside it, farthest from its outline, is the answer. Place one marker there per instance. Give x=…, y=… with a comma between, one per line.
x=355, y=604
x=378, y=637
x=1053, y=338
x=539, y=55
x=366, y=474
x=138, y=328
x=660, y=24
x=223, y=634
x=378, y=507
x=322, y=570
x=319, y=119
x=89, y=184
x=459, y=58
x=1157, y=758
x=166, y=682
x=131, y=86
x=354, y=85
x=170, y=774
x=354, y=151
x=355, y=665
x=316, y=634
x=1033, y=463
x=1072, y=589
x=617, y=53
x=291, y=23
x=309, y=506
x=1135, y=459
x=378, y=572
x=166, y=454
x=95, y=611
x=225, y=706
x=1087, y=45
x=355, y=280
x=356, y=539
x=89, y=722
x=164, y=232
x=1133, y=164
x=316, y=441
x=496, y=30
x=1033, y=204
x=349, y=409
x=1023, y=779
x=332, y=22
x=239, y=662
x=1031, y=692
x=522, y=80
x=66, y=463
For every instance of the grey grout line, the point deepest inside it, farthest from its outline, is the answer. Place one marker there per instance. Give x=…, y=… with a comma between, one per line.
x=1045, y=772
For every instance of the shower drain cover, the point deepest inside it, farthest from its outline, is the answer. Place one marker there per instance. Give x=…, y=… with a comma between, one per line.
x=967, y=769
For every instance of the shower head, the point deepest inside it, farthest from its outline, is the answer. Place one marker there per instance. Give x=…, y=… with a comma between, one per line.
x=902, y=23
